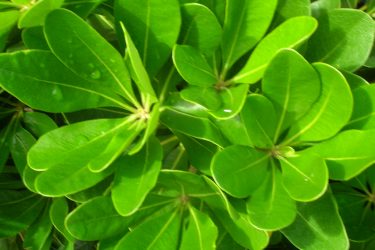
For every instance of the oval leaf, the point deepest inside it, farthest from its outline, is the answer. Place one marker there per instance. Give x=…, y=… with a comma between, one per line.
x=348, y=36
x=292, y=85
x=330, y=113
x=289, y=34
x=135, y=179
x=239, y=170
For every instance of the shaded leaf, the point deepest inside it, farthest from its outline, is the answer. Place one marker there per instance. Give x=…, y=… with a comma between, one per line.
x=201, y=232
x=318, y=226
x=36, y=14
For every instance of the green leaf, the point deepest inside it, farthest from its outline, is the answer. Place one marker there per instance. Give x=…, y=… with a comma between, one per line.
x=200, y=28
x=157, y=233
x=348, y=153
x=348, y=36
x=246, y=22
x=8, y=20
x=93, y=143
x=260, y=128
x=305, y=176
x=354, y=80
x=322, y=7
x=192, y=125
x=354, y=202
x=331, y=111
x=18, y=209
x=318, y=226
x=193, y=67
x=363, y=116
x=38, y=234
x=239, y=170
x=58, y=89
x=135, y=179
x=95, y=220
x=287, y=9
x=87, y=53
x=208, y=97
x=36, y=14
x=33, y=38
x=38, y=123
x=292, y=85
x=153, y=34
x=232, y=98
x=142, y=80
x=201, y=232
x=270, y=207
x=234, y=130
x=200, y=152
x=82, y=8
x=58, y=211
x=289, y=34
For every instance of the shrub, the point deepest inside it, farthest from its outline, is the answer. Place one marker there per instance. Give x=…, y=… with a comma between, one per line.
x=228, y=124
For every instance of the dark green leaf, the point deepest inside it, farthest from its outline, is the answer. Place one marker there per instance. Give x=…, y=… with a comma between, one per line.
x=8, y=20
x=38, y=123
x=58, y=211
x=318, y=226
x=36, y=14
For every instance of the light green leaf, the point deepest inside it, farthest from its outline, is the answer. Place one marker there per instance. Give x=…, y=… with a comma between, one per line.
x=96, y=219
x=38, y=234
x=363, y=116
x=270, y=207
x=135, y=179
x=200, y=28
x=192, y=125
x=260, y=128
x=239, y=170
x=18, y=209
x=348, y=36
x=154, y=26
x=331, y=111
x=193, y=67
x=58, y=89
x=142, y=80
x=246, y=22
x=348, y=153
x=93, y=143
x=305, y=176
x=36, y=14
x=201, y=232
x=292, y=85
x=8, y=20
x=318, y=226
x=58, y=211
x=157, y=233
x=87, y=53
x=289, y=34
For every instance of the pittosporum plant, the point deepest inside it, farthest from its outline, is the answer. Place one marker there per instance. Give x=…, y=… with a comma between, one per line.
x=166, y=124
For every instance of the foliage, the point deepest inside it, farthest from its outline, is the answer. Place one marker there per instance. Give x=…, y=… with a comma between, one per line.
x=182, y=124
